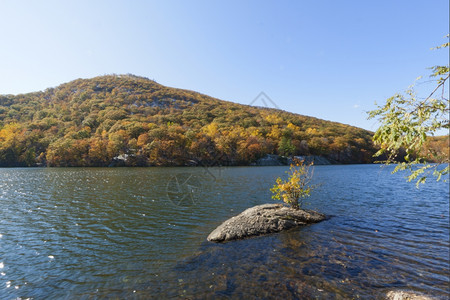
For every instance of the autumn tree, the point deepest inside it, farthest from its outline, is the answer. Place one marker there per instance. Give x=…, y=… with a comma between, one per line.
x=408, y=120
x=297, y=186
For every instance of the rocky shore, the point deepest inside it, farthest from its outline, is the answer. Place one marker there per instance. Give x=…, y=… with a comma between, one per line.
x=263, y=219
x=276, y=160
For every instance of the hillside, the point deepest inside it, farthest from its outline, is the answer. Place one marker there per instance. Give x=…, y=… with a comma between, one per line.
x=92, y=122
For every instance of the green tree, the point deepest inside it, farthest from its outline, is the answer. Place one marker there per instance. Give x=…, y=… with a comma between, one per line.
x=296, y=187
x=285, y=147
x=407, y=121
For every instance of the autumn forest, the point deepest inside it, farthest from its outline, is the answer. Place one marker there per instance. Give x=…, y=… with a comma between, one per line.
x=94, y=122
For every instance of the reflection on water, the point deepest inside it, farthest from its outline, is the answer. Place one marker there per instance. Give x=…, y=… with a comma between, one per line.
x=141, y=233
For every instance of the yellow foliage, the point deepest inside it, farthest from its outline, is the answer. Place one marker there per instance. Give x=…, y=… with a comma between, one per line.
x=211, y=129
x=255, y=132
x=9, y=132
x=312, y=131
x=296, y=187
x=293, y=127
x=275, y=132
x=274, y=119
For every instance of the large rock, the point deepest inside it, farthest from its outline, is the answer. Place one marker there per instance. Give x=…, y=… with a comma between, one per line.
x=263, y=219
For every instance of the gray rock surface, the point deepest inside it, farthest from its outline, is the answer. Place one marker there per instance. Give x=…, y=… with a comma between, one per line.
x=271, y=160
x=263, y=219
x=276, y=160
x=407, y=295
x=317, y=160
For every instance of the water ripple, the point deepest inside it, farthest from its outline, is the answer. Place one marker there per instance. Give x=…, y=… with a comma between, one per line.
x=116, y=233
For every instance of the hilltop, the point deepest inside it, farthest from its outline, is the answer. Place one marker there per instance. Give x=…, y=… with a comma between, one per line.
x=139, y=122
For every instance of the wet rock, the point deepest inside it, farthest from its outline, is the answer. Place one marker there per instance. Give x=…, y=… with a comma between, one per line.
x=271, y=160
x=263, y=219
x=407, y=295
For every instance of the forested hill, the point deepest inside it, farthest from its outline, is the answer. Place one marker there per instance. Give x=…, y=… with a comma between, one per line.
x=98, y=121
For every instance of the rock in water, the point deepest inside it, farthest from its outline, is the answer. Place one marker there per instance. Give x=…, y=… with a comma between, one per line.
x=263, y=219
x=407, y=295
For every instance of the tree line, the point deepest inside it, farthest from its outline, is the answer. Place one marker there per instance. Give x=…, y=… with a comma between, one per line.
x=95, y=122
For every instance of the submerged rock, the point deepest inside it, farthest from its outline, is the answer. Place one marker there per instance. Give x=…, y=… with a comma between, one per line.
x=407, y=295
x=263, y=219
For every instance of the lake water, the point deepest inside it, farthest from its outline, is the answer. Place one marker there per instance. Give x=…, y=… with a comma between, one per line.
x=140, y=233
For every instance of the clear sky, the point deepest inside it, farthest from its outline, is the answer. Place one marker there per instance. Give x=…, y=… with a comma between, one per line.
x=330, y=59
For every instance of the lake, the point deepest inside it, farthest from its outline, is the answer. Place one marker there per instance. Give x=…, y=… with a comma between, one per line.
x=140, y=233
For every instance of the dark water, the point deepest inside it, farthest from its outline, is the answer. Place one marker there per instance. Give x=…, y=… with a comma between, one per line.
x=141, y=233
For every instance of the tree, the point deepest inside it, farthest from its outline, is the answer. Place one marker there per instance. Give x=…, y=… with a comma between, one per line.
x=296, y=187
x=285, y=147
x=407, y=122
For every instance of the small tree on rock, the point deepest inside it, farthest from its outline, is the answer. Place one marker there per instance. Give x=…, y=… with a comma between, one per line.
x=297, y=187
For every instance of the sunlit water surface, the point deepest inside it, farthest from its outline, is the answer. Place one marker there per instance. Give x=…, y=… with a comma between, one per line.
x=140, y=233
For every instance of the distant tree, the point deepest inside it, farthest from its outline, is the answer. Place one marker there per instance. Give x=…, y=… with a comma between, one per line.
x=251, y=149
x=285, y=146
x=407, y=122
x=10, y=146
x=98, y=152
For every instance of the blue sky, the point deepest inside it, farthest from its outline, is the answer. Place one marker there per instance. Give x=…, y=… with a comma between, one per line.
x=327, y=59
